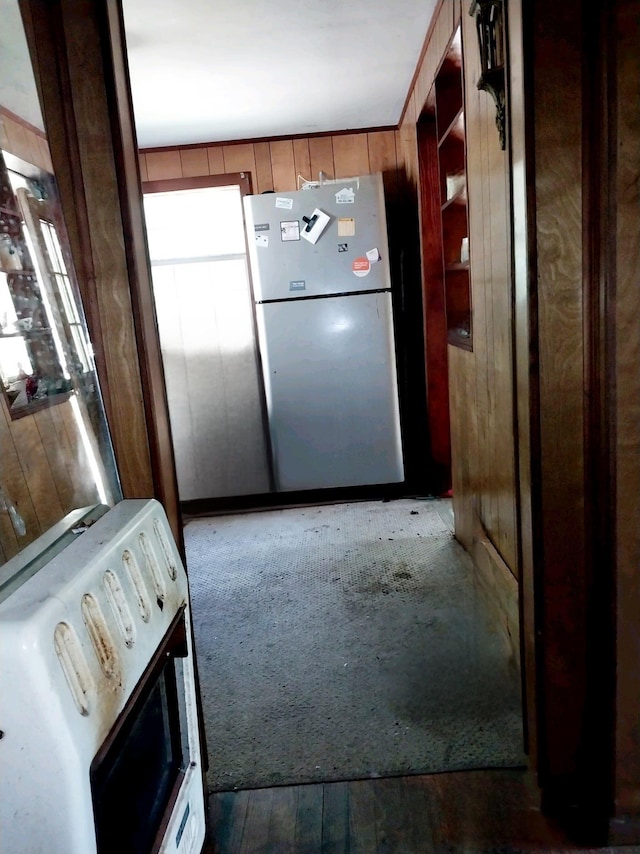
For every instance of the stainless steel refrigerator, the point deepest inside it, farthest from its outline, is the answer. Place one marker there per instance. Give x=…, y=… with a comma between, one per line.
x=321, y=284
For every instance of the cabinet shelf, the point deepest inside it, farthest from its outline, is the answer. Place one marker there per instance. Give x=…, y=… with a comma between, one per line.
x=460, y=199
x=451, y=164
x=454, y=131
x=459, y=339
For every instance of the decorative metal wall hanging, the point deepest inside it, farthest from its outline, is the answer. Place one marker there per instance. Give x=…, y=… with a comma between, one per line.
x=490, y=28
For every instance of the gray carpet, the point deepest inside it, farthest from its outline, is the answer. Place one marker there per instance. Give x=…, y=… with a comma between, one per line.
x=345, y=641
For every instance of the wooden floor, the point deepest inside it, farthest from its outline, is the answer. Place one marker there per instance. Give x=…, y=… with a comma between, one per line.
x=477, y=812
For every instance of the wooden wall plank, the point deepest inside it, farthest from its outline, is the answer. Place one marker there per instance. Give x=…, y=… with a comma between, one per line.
x=37, y=472
x=302, y=160
x=382, y=151
x=626, y=322
x=283, y=165
x=239, y=158
x=164, y=164
x=264, y=174
x=215, y=156
x=24, y=141
x=350, y=155
x=11, y=480
x=20, y=139
x=57, y=456
x=4, y=138
x=144, y=176
x=561, y=353
x=400, y=164
x=321, y=157
x=194, y=162
x=45, y=155
x=383, y=158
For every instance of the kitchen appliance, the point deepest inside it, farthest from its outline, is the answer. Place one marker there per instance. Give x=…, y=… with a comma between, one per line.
x=321, y=284
x=100, y=740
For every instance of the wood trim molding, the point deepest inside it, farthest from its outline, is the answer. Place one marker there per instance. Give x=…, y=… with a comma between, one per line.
x=20, y=121
x=418, y=68
x=163, y=470
x=257, y=139
x=168, y=185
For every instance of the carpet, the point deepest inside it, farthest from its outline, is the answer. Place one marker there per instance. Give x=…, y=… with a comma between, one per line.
x=342, y=642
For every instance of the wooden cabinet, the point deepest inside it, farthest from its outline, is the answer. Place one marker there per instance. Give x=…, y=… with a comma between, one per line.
x=444, y=246
x=31, y=371
x=451, y=168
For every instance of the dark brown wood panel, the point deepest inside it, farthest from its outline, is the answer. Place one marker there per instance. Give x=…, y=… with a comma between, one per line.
x=435, y=321
x=559, y=232
x=624, y=192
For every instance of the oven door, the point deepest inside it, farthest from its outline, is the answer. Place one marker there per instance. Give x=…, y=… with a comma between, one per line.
x=137, y=775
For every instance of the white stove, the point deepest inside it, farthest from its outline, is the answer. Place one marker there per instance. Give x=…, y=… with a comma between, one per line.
x=100, y=743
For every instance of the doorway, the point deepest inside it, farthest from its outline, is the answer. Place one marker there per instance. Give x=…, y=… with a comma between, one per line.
x=207, y=336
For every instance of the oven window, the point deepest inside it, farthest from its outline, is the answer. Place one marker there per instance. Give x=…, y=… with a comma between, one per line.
x=133, y=783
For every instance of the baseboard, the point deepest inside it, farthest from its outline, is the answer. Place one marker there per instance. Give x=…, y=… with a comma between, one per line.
x=500, y=589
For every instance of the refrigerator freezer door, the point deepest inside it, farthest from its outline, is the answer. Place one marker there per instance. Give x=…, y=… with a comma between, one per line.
x=349, y=255
x=330, y=377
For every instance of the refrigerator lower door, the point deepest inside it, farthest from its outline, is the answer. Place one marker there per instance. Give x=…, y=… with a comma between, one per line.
x=330, y=377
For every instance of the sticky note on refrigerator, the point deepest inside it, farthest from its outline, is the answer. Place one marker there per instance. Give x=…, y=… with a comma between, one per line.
x=284, y=203
x=262, y=239
x=346, y=226
x=373, y=255
x=345, y=196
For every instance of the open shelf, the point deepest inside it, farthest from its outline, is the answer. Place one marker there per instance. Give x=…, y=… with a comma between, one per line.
x=452, y=175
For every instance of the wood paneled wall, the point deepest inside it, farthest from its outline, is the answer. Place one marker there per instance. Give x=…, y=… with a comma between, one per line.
x=280, y=165
x=480, y=382
x=484, y=470
x=44, y=470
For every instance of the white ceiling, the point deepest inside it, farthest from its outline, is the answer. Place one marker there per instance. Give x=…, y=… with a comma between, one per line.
x=216, y=70
x=18, y=91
